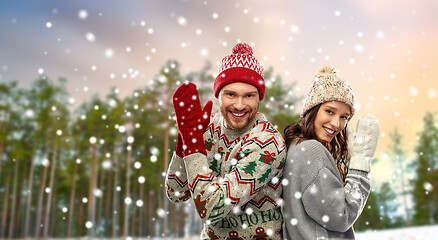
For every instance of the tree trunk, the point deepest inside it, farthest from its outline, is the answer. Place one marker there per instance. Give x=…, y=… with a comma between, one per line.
x=21, y=210
x=405, y=202
x=72, y=200
x=40, y=202
x=434, y=179
x=127, y=185
x=116, y=202
x=182, y=220
x=149, y=214
x=14, y=201
x=141, y=211
x=49, y=194
x=109, y=190
x=52, y=226
x=29, y=194
x=133, y=217
x=2, y=141
x=166, y=164
x=80, y=217
x=99, y=199
x=91, y=197
x=5, y=206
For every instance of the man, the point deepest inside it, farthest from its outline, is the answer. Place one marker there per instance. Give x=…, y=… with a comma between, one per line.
x=232, y=164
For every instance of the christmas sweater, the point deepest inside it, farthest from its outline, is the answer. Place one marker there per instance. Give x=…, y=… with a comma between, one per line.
x=236, y=187
x=317, y=204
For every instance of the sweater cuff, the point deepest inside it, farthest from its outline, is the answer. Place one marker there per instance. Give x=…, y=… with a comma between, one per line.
x=360, y=163
x=359, y=172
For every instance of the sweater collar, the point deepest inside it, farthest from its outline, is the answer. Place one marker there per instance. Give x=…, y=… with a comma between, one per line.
x=236, y=133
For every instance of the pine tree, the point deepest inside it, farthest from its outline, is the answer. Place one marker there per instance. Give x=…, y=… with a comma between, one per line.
x=386, y=198
x=280, y=100
x=425, y=194
x=398, y=157
x=370, y=216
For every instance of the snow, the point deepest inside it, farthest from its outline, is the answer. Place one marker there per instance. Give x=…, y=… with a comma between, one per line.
x=411, y=233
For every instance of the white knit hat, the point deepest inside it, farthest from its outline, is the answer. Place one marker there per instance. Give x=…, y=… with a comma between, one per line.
x=328, y=86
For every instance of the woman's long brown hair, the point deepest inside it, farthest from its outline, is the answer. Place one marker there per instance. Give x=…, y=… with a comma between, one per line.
x=305, y=130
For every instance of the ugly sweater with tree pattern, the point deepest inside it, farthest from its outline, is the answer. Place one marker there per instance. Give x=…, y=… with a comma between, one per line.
x=237, y=187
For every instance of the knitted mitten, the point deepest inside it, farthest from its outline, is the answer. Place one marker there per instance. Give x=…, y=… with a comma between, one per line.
x=179, y=146
x=191, y=120
x=363, y=143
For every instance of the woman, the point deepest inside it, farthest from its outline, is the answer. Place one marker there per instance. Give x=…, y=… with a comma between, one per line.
x=327, y=168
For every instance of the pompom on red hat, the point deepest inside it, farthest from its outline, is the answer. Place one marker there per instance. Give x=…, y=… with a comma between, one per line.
x=240, y=66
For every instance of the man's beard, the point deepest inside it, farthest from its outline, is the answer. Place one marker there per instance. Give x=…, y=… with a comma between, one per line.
x=237, y=124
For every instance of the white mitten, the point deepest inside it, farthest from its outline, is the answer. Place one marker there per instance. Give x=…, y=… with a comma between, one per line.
x=362, y=144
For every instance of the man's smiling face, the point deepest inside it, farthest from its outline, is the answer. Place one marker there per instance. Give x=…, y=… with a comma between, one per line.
x=239, y=103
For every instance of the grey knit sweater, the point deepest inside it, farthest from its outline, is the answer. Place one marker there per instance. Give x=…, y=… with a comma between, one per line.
x=317, y=205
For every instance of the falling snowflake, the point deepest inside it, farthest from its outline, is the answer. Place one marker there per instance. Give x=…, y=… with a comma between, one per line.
x=182, y=21
x=293, y=221
x=297, y=195
x=90, y=37
x=428, y=186
x=83, y=14
x=109, y=53
x=161, y=213
x=88, y=224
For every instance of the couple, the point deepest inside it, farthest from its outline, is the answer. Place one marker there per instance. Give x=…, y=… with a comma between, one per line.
x=246, y=181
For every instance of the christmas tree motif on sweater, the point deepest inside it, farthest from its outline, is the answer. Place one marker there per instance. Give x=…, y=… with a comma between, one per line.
x=250, y=168
x=213, y=165
x=233, y=235
x=241, y=154
x=218, y=211
x=260, y=234
x=211, y=234
x=264, y=176
x=208, y=144
x=200, y=205
x=281, y=166
x=267, y=157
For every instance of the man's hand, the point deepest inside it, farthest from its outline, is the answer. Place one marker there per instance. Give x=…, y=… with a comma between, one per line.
x=191, y=120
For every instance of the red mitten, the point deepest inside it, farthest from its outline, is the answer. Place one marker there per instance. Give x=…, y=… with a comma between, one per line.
x=192, y=121
x=179, y=146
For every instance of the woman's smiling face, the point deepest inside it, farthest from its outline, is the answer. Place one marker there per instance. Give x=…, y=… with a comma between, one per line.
x=332, y=118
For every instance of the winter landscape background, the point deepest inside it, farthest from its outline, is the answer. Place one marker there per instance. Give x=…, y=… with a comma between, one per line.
x=87, y=128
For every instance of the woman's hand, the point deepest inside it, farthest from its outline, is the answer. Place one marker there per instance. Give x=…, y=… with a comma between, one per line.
x=362, y=143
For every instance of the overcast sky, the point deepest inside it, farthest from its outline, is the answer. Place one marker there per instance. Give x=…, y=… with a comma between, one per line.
x=387, y=50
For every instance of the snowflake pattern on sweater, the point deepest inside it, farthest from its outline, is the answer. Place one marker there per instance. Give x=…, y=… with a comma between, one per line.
x=237, y=186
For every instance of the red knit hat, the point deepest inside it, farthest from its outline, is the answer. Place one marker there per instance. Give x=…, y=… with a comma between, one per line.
x=240, y=66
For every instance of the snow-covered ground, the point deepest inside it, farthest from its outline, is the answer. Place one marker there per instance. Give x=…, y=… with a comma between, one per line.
x=411, y=233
